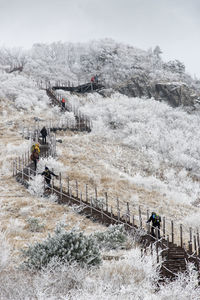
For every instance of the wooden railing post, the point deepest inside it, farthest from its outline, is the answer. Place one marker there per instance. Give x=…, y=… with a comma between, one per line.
x=198, y=243
x=111, y=214
x=61, y=192
x=80, y=197
x=167, y=247
x=172, y=231
x=52, y=187
x=67, y=185
x=16, y=167
x=13, y=164
x=181, y=235
x=60, y=180
x=148, y=224
x=96, y=200
x=29, y=173
x=91, y=205
x=118, y=209
x=102, y=213
x=190, y=241
x=195, y=244
x=86, y=193
x=133, y=220
x=76, y=189
x=157, y=244
x=127, y=213
x=140, y=217
x=106, y=195
x=164, y=227
x=22, y=168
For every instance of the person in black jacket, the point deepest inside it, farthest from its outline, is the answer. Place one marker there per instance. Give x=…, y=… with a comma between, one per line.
x=44, y=135
x=156, y=220
x=47, y=176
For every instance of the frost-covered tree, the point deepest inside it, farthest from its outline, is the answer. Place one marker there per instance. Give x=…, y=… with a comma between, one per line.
x=13, y=59
x=174, y=66
x=157, y=51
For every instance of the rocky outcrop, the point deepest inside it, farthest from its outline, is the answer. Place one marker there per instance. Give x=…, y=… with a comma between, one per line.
x=175, y=94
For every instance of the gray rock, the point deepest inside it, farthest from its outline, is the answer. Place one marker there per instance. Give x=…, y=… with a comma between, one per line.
x=175, y=94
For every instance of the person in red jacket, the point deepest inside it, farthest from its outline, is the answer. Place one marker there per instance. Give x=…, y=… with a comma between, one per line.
x=63, y=103
x=92, y=79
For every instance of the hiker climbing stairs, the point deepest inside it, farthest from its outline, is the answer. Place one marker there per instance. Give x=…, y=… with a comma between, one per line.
x=173, y=257
x=83, y=123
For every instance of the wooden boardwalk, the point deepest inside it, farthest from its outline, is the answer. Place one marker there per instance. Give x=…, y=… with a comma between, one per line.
x=174, y=258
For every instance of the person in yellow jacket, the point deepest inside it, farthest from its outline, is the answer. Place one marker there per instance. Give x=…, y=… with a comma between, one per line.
x=35, y=147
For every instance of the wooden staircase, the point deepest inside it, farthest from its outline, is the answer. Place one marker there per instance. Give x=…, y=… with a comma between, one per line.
x=175, y=259
x=82, y=122
x=83, y=88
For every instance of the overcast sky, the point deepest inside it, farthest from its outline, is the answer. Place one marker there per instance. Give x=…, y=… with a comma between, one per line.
x=172, y=24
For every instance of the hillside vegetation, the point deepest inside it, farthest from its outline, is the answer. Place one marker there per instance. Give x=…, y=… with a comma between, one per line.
x=131, y=71
x=139, y=150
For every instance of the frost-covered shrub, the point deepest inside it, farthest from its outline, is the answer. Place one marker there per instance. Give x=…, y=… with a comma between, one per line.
x=36, y=186
x=34, y=225
x=4, y=251
x=64, y=246
x=114, y=237
x=98, y=202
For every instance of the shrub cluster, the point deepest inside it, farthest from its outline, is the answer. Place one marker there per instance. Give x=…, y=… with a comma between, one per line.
x=34, y=225
x=113, y=238
x=74, y=246
x=63, y=246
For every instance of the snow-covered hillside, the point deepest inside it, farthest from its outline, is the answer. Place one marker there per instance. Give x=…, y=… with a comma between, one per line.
x=139, y=150
x=115, y=63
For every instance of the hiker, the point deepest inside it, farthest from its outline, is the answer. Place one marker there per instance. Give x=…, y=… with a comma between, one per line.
x=44, y=135
x=35, y=146
x=63, y=103
x=47, y=176
x=92, y=79
x=156, y=220
x=96, y=78
x=35, y=157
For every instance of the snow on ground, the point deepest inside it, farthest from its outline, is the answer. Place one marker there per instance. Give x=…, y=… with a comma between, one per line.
x=17, y=204
x=140, y=151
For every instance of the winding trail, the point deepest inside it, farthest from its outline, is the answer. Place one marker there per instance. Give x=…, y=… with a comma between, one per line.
x=174, y=257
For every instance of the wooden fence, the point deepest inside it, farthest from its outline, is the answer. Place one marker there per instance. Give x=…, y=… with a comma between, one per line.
x=176, y=242
x=101, y=210
x=82, y=122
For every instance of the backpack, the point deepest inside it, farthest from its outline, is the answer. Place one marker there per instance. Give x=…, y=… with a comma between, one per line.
x=156, y=218
x=34, y=156
x=32, y=148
